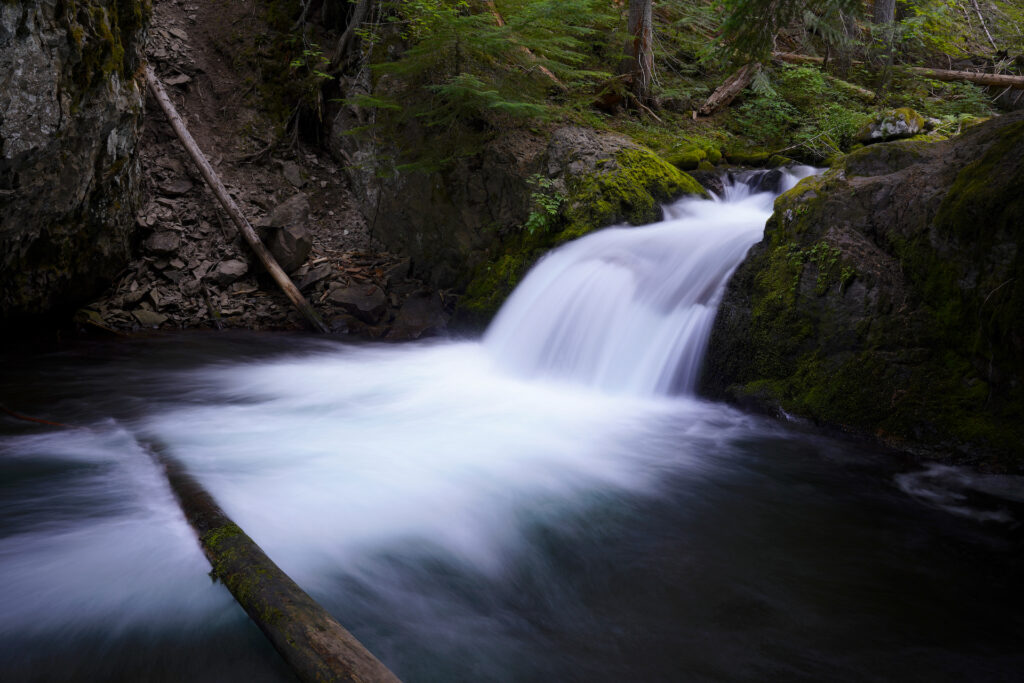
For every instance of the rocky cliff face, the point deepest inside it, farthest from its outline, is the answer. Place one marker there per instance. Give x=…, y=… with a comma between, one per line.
x=70, y=109
x=887, y=298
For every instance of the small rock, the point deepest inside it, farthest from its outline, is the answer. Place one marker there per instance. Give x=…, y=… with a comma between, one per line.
x=180, y=79
x=227, y=272
x=321, y=272
x=163, y=242
x=292, y=173
x=366, y=302
x=175, y=187
x=149, y=318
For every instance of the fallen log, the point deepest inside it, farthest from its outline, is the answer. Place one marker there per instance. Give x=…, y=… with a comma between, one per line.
x=732, y=87
x=211, y=178
x=309, y=639
x=978, y=78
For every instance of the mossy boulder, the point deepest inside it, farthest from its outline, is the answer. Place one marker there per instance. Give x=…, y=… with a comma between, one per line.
x=628, y=186
x=887, y=299
x=70, y=116
x=892, y=125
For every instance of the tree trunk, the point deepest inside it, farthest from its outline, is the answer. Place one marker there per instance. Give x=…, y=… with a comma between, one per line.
x=642, y=51
x=347, y=42
x=884, y=11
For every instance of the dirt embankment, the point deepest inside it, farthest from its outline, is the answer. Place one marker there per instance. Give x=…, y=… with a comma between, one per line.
x=190, y=267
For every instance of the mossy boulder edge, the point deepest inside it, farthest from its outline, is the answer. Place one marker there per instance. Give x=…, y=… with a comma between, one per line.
x=887, y=299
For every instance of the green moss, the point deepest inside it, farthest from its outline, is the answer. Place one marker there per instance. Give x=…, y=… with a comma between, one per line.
x=104, y=37
x=630, y=188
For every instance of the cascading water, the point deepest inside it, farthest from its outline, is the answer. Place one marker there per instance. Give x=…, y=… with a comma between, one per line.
x=630, y=309
x=544, y=505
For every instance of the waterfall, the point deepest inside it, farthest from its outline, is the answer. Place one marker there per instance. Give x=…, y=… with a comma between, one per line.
x=630, y=309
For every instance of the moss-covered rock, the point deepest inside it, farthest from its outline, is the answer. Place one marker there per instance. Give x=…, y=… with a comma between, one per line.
x=892, y=125
x=70, y=117
x=626, y=187
x=888, y=299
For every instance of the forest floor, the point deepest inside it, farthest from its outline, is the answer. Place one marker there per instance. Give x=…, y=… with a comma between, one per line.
x=191, y=268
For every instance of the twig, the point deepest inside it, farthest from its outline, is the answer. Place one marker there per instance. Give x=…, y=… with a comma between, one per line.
x=26, y=418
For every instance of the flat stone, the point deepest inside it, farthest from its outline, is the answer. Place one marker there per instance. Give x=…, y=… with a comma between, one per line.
x=227, y=272
x=366, y=302
x=163, y=242
x=321, y=272
x=149, y=318
x=175, y=187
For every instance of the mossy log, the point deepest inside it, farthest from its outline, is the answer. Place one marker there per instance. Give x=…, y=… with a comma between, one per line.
x=247, y=231
x=316, y=646
x=1002, y=80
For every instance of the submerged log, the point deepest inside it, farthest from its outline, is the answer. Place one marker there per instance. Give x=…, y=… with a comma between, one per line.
x=211, y=178
x=316, y=646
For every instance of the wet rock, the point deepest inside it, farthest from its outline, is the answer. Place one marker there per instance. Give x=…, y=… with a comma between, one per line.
x=227, y=272
x=163, y=242
x=420, y=315
x=149, y=318
x=366, y=302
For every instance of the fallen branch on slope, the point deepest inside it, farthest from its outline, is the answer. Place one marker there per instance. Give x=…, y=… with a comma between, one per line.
x=211, y=178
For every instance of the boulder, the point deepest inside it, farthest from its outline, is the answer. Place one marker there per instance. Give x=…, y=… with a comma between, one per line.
x=285, y=232
x=892, y=125
x=366, y=302
x=887, y=299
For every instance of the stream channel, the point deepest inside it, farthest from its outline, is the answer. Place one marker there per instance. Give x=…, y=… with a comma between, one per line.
x=550, y=502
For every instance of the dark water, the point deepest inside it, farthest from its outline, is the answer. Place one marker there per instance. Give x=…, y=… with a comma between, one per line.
x=469, y=525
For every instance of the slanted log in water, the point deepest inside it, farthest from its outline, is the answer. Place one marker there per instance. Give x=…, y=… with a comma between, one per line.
x=316, y=646
x=265, y=257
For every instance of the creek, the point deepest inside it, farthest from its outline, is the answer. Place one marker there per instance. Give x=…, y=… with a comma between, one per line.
x=550, y=502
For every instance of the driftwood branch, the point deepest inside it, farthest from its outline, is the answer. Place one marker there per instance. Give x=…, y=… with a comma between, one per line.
x=937, y=74
x=732, y=87
x=316, y=646
x=265, y=257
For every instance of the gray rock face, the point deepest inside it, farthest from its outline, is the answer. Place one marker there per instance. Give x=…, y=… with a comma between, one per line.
x=69, y=121
x=450, y=222
x=887, y=299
